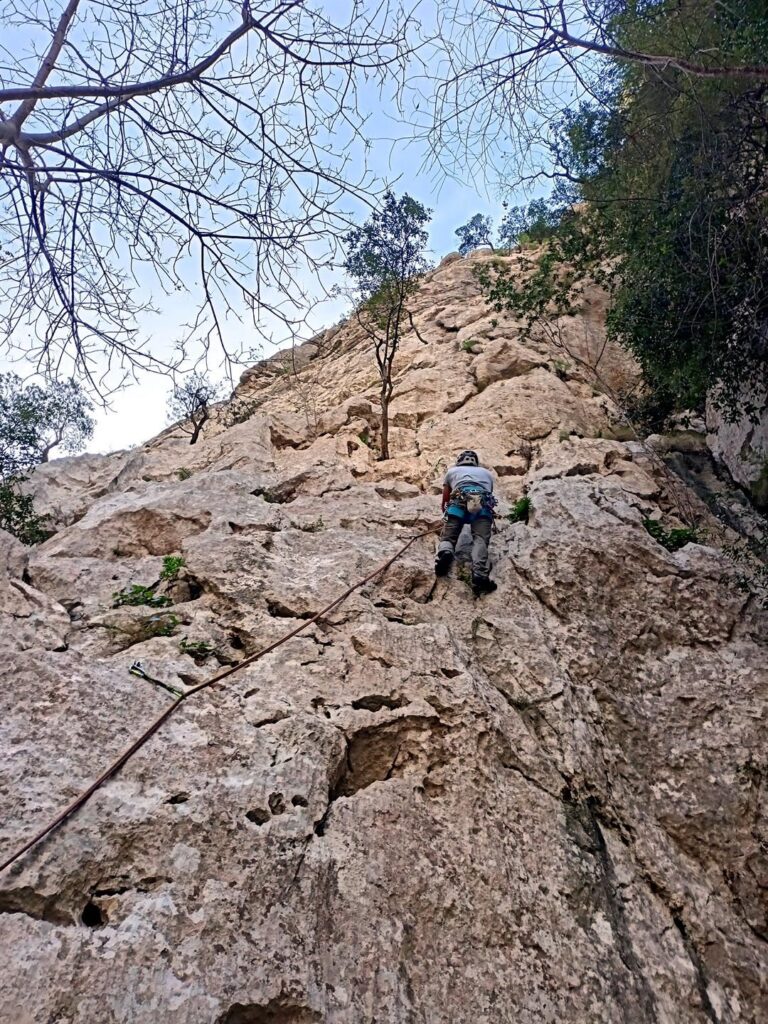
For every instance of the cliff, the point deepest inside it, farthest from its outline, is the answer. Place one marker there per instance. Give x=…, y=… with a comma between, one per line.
x=547, y=805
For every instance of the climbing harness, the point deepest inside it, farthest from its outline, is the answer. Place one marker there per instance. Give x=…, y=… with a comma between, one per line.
x=137, y=670
x=470, y=502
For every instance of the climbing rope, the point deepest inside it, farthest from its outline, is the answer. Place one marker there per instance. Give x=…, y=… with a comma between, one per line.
x=127, y=754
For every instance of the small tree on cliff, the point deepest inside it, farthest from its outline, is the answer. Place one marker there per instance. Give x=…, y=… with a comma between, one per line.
x=190, y=402
x=473, y=234
x=33, y=421
x=385, y=258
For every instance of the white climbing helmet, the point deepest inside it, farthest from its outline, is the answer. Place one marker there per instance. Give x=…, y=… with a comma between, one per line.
x=468, y=458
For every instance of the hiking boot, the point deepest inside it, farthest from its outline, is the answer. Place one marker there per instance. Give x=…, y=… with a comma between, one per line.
x=443, y=563
x=482, y=585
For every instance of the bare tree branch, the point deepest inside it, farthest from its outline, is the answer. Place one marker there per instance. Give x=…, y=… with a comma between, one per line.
x=203, y=147
x=509, y=69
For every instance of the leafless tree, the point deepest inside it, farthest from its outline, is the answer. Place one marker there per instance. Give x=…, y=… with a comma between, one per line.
x=509, y=69
x=201, y=146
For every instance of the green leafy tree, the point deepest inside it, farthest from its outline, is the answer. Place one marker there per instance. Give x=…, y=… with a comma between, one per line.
x=385, y=259
x=473, y=234
x=17, y=513
x=33, y=421
x=664, y=175
x=190, y=402
x=518, y=61
x=533, y=223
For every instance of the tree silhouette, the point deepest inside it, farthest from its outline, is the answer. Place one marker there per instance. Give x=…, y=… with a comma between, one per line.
x=473, y=234
x=194, y=145
x=190, y=403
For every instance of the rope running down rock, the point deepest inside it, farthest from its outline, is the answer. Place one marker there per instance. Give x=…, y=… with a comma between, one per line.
x=128, y=753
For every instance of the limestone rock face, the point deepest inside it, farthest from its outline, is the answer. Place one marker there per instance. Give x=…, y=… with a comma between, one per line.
x=544, y=806
x=743, y=447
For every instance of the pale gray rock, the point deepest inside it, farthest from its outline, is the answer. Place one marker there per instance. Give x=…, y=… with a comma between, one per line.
x=13, y=556
x=544, y=807
x=743, y=447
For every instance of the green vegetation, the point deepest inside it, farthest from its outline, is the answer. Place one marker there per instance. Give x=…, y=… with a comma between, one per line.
x=520, y=510
x=560, y=369
x=750, y=560
x=18, y=516
x=189, y=404
x=673, y=539
x=197, y=649
x=137, y=594
x=171, y=566
x=160, y=625
x=473, y=234
x=314, y=527
x=523, y=225
x=184, y=473
x=33, y=421
x=661, y=201
x=240, y=410
x=470, y=344
x=385, y=259
x=365, y=437
x=520, y=225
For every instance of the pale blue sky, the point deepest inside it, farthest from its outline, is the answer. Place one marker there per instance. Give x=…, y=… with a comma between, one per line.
x=139, y=410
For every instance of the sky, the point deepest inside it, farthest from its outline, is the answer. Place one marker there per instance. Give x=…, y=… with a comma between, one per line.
x=138, y=411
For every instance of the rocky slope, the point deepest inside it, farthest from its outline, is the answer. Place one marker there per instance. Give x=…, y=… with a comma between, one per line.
x=545, y=806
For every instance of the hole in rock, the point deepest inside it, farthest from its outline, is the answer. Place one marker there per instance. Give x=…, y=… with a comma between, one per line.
x=178, y=798
x=377, y=701
x=299, y=801
x=75, y=611
x=258, y=816
x=318, y=704
x=236, y=642
x=381, y=752
x=92, y=915
x=251, y=527
x=276, y=803
x=276, y=1011
x=280, y=495
x=114, y=890
x=450, y=673
x=279, y=610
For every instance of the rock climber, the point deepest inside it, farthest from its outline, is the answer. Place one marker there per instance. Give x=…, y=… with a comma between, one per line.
x=468, y=498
